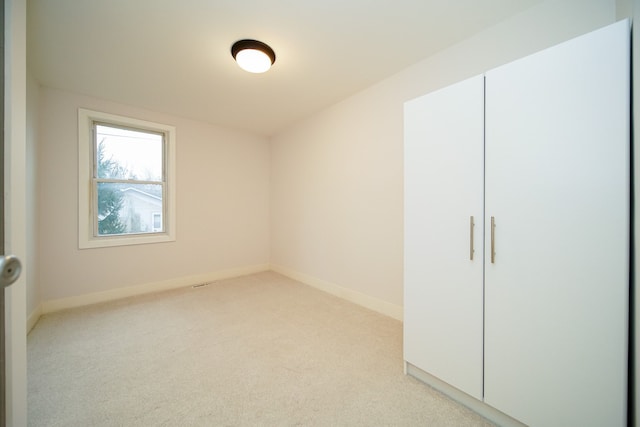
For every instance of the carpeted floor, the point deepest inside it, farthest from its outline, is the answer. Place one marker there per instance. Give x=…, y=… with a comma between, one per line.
x=260, y=350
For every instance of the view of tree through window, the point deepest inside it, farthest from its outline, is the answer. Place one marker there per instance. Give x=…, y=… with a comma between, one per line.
x=128, y=178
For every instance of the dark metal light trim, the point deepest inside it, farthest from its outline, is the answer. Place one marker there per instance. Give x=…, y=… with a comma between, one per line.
x=253, y=44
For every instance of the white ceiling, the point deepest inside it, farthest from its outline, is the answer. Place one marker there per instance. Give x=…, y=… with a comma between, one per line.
x=173, y=56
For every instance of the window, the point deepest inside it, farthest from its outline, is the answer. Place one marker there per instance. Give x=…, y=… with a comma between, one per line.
x=126, y=180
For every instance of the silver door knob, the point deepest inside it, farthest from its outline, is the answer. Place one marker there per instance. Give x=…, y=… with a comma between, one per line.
x=10, y=269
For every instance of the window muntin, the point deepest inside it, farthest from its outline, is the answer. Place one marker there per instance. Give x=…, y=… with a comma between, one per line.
x=126, y=181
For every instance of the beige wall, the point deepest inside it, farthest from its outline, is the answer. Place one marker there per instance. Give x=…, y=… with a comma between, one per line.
x=222, y=205
x=337, y=177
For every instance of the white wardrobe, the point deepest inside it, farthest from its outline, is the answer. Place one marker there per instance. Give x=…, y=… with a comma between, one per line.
x=517, y=213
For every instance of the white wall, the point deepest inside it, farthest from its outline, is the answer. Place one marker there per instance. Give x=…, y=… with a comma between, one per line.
x=222, y=207
x=337, y=177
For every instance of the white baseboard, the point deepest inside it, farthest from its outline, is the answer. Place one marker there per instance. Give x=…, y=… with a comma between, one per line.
x=115, y=294
x=33, y=318
x=375, y=304
x=461, y=397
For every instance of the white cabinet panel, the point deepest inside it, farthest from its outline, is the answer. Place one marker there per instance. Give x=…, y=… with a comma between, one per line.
x=443, y=189
x=557, y=183
x=550, y=347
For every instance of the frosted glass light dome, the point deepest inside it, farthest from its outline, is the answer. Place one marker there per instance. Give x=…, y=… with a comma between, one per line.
x=253, y=56
x=253, y=61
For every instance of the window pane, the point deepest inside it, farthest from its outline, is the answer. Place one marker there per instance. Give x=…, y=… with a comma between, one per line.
x=156, y=220
x=125, y=208
x=128, y=154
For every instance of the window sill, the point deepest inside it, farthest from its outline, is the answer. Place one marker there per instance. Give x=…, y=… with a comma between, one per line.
x=109, y=241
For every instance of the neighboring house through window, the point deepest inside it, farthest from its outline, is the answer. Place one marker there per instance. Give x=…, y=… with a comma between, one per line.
x=127, y=176
x=156, y=221
x=138, y=210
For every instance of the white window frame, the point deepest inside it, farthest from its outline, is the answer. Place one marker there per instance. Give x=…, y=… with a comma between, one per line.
x=87, y=216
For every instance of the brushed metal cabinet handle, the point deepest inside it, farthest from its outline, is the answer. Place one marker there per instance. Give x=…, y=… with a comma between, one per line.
x=471, y=225
x=493, y=240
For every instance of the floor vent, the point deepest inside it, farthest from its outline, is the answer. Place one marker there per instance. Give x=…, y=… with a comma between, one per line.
x=201, y=285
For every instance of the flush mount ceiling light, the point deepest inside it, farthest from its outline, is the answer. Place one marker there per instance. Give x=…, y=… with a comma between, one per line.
x=253, y=56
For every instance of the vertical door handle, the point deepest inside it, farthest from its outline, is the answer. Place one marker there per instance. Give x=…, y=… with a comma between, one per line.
x=493, y=240
x=471, y=238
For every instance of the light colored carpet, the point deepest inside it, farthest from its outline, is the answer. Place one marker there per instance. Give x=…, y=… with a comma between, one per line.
x=260, y=350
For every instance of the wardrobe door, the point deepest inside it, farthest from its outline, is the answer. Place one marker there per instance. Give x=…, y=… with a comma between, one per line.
x=557, y=184
x=443, y=234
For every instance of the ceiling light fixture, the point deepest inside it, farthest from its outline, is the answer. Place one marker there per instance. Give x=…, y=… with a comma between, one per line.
x=253, y=56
